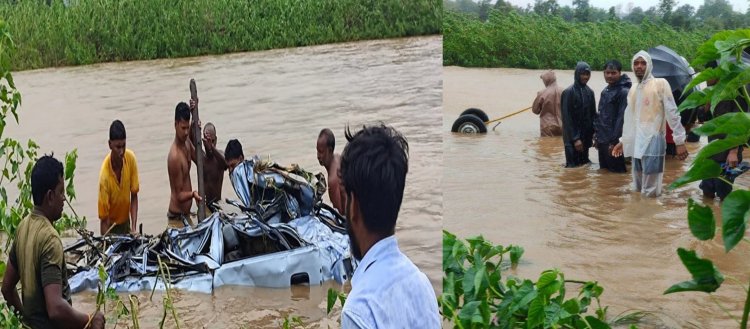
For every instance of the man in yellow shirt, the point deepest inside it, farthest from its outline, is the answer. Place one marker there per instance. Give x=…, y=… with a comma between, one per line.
x=118, y=185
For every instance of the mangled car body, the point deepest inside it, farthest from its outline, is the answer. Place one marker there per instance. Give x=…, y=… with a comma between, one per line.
x=282, y=234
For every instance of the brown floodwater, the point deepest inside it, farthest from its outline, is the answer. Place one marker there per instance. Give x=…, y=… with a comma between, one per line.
x=275, y=102
x=509, y=185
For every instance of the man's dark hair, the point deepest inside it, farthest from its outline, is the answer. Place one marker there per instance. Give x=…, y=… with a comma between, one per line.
x=182, y=112
x=373, y=167
x=233, y=150
x=45, y=176
x=613, y=64
x=330, y=139
x=116, y=130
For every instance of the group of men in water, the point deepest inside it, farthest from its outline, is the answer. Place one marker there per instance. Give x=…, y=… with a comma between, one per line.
x=631, y=121
x=366, y=184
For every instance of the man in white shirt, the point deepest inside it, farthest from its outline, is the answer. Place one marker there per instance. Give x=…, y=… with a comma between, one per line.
x=650, y=107
x=388, y=290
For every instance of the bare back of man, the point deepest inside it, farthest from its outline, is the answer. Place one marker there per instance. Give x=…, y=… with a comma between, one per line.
x=334, y=181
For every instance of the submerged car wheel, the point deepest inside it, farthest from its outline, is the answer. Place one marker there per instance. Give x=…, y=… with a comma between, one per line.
x=478, y=113
x=469, y=124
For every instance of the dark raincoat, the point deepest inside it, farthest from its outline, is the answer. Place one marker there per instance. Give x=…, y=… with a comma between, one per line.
x=578, y=110
x=612, y=104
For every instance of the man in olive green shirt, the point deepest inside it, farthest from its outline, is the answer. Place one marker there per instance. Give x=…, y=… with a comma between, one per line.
x=36, y=258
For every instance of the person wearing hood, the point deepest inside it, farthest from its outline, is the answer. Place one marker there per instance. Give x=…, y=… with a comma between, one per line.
x=608, y=123
x=650, y=107
x=578, y=112
x=547, y=106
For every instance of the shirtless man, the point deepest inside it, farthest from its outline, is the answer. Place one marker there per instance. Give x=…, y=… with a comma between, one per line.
x=326, y=158
x=178, y=166
x=214, y=166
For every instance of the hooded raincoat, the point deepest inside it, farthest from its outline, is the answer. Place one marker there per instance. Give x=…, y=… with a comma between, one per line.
x=650, y=107
x=547, y=106
x=578, y=112
x=608, y=123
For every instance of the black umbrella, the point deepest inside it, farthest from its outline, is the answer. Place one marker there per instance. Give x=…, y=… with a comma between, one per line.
x=669, y=65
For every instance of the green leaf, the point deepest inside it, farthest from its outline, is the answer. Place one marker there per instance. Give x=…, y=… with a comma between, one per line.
x=701, y=221
x=332, y=294
x=536, y=313
x=731, y=124
x=102, y=275
x=734, y=213
x=572, y=306
x=703, y=76
x=701, y=169
x=696, y=99
x=468, y=284
x=2, y=268
x=471, y=314
x=548, y=283
x=706, y=277
x=721, y=145
x=70, y=163
x=515, y=254
x=596, y=323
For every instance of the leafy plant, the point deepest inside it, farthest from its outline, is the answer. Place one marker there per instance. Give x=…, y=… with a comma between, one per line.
x=475, y=295
x=733, y=76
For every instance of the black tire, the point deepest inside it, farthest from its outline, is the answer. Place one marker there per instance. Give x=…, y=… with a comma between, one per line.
x=477, y=112
x=469, y=124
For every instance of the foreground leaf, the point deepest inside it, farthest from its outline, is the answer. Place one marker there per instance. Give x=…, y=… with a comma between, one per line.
x=701, y=221
x=734, y=213
x=706, y=277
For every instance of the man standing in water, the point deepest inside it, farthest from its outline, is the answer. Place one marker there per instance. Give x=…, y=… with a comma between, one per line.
x=578, y=113
x=547, y=106
x=388, y=290
x=36, y=258
x=325, y=145
x=118, y=185
x=214, y=166
x=650, y=106
x=608, y=123
x=178, y=166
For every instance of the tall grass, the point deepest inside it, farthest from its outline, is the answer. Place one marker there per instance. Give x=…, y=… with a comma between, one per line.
x=534, y=42
x=91, y=31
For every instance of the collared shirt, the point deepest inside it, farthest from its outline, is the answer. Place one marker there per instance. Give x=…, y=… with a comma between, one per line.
x=37, y=256
x=114, y=195
x=389, y=291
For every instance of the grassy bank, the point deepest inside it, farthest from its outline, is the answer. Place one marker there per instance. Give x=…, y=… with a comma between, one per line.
x=534, y=42
x=91, y=31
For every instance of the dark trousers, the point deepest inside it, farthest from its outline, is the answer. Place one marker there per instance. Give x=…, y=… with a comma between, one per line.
x=607, y=161
x=574, y=158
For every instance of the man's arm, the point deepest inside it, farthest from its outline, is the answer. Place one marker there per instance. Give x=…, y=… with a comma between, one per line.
x=103, y=204
x=135, y=187
x=133, y=212
x=536, y=107
x=59, y=311
x=622, y=104
x=335, y=196
x=670, y=112
x=569, y=125
x=10, y=280
x=176, y=181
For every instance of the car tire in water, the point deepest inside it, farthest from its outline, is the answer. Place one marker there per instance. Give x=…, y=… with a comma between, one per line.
x=477, y=112
x=469, y=124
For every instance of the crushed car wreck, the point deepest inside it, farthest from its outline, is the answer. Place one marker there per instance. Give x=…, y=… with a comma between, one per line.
x=282, y=235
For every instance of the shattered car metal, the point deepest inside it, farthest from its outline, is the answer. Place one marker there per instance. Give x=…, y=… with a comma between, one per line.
x=283, y=235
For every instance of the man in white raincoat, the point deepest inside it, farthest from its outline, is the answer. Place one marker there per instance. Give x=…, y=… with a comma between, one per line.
x=650, y=106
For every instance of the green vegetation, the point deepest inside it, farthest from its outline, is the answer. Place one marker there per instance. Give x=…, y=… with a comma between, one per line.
x=88, y=31
x=510, y=39
x=733, y=76
x=711, y=15
x=475, y=295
